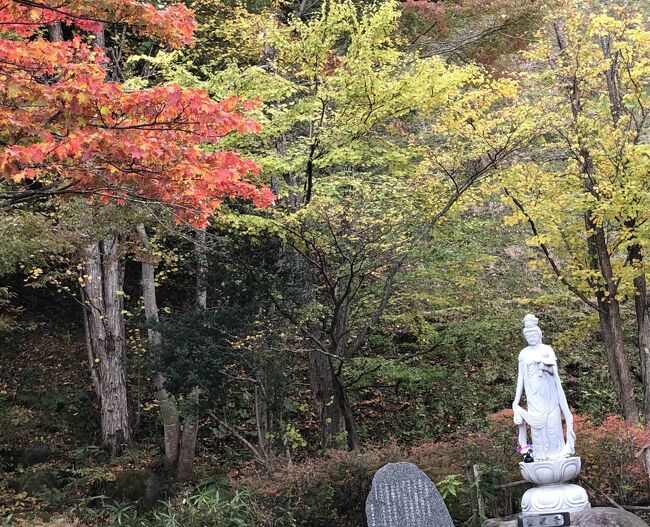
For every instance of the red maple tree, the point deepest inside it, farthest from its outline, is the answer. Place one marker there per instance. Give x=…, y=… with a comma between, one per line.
x=65, y=126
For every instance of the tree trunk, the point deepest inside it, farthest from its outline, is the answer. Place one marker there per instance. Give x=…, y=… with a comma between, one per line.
x=339, y=331
x=166, y=401
x=179, y=441
x=188, y=439
x=103, y=302
x=263, y=419
x=608, y=305
x=321, y=380
x=102, y=298
x=56, y=32
x=190, y=410
x=343, y=402
x=148, y=283
x=611, y=327
x=171, y=423
x=269, y=413
x=643, y=328
x=643, y=337
x=610, y=321
x=201, y=269
x=326, y=377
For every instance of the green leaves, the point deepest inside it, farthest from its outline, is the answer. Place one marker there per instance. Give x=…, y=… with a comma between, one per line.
x=452, y=485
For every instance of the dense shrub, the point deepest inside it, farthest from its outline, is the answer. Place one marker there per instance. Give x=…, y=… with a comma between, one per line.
x=326, y=492
x=613, y=458
x=332, y=491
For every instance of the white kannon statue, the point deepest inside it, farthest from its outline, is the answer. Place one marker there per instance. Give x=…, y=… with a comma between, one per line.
x=538, y=377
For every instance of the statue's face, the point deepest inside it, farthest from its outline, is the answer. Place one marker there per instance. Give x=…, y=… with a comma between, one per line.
x=532, y=336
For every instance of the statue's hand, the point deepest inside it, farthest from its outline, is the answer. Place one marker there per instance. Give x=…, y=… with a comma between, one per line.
x=516, y=416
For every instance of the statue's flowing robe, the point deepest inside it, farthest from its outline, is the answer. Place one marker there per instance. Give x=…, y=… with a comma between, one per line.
x=543, y=414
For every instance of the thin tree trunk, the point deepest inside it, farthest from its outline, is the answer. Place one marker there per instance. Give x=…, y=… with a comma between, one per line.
x=166, y=401
x=609, y=309
x=343, y=403
x=180, y=442
x=479, y=495
x=643, y=338
x=148, y=283
x=643, y=335
x=190, y=413
x=56, y=32
x=263, y=420
x=100, y=37
x=171, y=423
x=473, y=500
x=268, y=413
x=92, y=365
x=616, y=93
x=643, y=326
x=103, y=301
x=201, y=269
x=189, y=437
x=339, y=331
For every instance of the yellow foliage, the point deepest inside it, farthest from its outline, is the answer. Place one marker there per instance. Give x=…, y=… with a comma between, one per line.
x=586, y=93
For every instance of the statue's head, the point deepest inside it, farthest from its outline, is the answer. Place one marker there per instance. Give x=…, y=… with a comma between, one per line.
x=532, y=333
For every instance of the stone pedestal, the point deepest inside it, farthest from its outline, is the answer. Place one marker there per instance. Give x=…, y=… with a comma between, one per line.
x=554, y=498
x=553, y=493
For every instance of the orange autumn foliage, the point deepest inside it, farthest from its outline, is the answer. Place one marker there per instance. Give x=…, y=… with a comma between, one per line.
x=174, y=25
x=64, y=125
x=612, y=457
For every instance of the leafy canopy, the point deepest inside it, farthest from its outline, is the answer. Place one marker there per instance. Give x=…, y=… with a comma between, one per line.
x=69, y=129
x=588, y=93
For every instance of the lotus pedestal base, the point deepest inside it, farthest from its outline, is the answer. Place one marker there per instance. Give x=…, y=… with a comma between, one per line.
x=547, y=499
x=553, y=493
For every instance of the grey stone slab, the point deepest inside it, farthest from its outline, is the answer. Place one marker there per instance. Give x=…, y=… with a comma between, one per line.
x=403, y=496
x=606, y=517
x=594, y=517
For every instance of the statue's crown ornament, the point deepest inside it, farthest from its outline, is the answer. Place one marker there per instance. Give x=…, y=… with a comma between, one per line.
x=530, y=321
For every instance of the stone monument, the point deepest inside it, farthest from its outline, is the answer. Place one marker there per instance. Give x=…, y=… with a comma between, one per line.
x=403, y=496
x=553, y=464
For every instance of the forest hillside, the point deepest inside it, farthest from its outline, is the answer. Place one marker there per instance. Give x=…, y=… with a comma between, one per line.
x=253, y=250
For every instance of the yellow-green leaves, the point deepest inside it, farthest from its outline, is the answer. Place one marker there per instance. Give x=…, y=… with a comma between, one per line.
x=588, y=94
